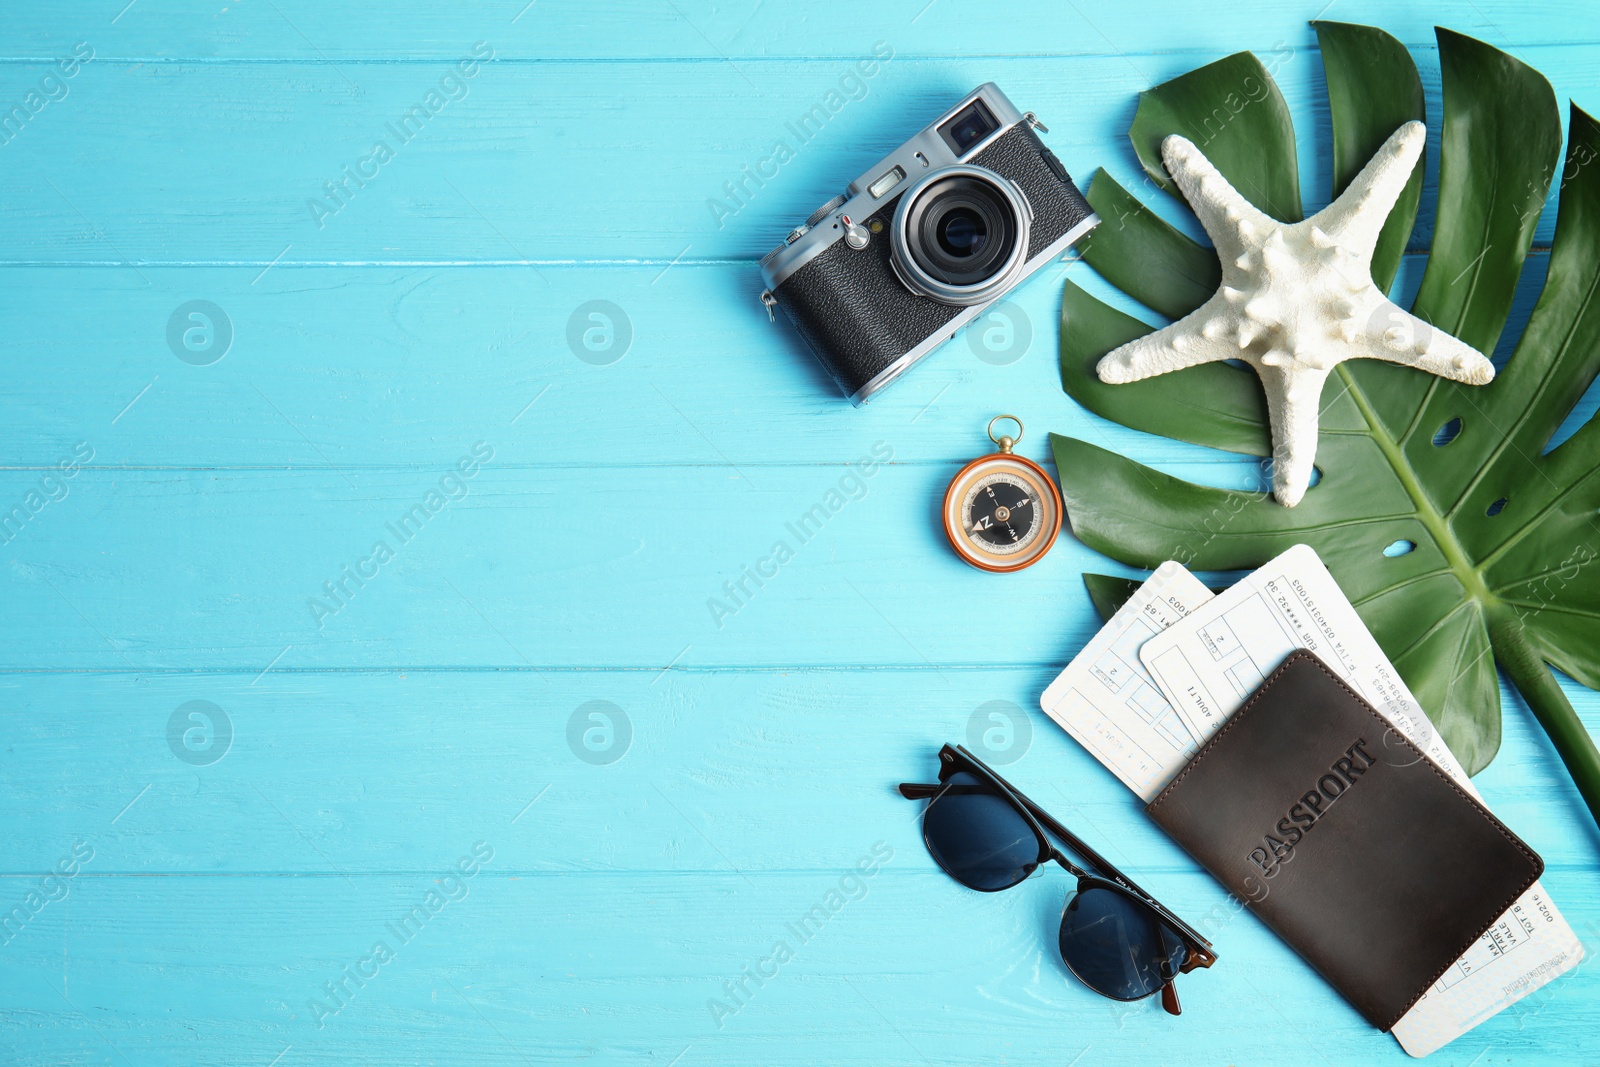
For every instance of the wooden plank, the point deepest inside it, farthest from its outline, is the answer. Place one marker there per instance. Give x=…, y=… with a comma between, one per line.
x=366, y=367
x=498, y=976
x=605, y=566
x=709, y=566
x=353, y=772
x=549, y=968
x=398, y=368
x=742, y=31
x=612, y=161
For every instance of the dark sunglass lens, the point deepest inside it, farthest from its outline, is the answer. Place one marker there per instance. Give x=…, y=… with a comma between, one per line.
x=977, y=835
x=1118, y=946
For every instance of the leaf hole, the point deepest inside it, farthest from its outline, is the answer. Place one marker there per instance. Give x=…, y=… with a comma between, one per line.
x=1496, y=508
x=1316, y=477
x=1400, y=548
x=1447, y=433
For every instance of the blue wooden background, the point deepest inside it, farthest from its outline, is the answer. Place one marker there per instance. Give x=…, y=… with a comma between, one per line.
x=238, y=859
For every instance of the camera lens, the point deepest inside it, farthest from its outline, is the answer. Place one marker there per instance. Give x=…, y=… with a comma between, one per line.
x=962, y=233
x=961, y=230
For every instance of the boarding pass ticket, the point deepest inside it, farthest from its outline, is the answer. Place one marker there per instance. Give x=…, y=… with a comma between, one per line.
x=1175, y=661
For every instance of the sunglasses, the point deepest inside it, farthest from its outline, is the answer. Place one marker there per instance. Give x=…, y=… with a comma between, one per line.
x=1116, y=938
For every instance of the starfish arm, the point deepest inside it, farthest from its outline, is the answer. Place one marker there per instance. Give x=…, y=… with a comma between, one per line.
x=1233, y=223
x=1294, y=402
x=1408, y=340
x=1168, y=349
x=1356, y=218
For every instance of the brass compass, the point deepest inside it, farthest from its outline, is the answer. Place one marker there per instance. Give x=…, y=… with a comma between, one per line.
x=1002, y=512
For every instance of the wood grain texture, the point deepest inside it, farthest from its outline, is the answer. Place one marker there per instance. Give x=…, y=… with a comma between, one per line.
x=533, y=163
x=399, y=367
x=572, y=31
x=442, y=702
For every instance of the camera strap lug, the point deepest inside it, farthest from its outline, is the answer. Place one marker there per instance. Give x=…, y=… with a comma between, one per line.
x=770, y=302
x=1033, y=120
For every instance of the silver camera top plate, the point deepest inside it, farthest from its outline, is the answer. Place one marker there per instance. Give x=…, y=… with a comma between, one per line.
x=924, y=152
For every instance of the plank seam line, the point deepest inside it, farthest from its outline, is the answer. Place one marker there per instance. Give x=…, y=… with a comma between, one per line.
x=325, y=264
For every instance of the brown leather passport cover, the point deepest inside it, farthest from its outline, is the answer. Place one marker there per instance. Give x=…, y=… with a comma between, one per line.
x=1370, y=861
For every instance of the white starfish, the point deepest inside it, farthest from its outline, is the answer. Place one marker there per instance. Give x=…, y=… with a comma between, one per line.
x=1296, y=300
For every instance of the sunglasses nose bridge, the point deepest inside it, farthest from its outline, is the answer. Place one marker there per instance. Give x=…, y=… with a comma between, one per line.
x=1056, y=855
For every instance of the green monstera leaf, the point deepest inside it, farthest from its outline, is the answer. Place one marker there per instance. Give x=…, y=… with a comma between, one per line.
x=1460, y=536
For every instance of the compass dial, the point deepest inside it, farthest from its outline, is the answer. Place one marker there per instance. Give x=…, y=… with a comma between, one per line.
x=1002, y=512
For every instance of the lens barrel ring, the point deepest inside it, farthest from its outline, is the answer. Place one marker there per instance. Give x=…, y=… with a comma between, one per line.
x=960, y=236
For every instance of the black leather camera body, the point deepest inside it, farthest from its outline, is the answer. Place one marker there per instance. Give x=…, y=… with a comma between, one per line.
x=922, y=243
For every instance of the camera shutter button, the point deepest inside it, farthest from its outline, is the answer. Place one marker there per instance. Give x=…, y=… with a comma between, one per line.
x=855, y=234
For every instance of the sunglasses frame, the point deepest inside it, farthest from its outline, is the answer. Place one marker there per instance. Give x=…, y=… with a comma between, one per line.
x=1104, y=874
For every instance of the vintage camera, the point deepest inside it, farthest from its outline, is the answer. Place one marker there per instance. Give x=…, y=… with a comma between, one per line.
x=920, y=244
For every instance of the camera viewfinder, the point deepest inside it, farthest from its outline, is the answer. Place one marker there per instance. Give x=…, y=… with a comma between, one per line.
x=969, y=126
